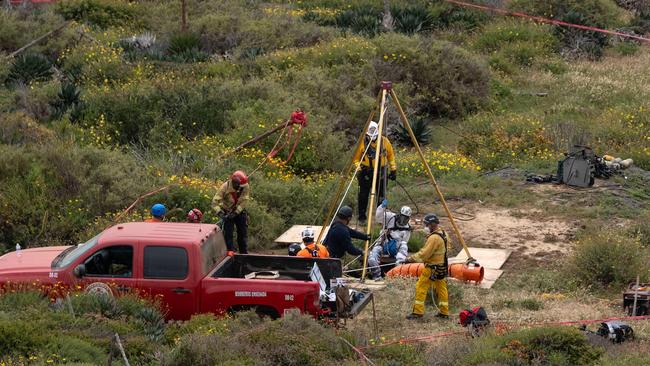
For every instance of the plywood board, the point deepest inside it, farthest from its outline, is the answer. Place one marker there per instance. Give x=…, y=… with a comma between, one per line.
x=294, y=234
x=486, y=257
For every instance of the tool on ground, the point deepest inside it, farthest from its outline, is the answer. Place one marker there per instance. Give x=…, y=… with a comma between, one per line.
x=475, y=319
x=616, y=331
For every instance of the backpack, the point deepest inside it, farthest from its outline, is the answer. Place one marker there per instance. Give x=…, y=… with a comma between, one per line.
x=475, y=317
x=390, y=248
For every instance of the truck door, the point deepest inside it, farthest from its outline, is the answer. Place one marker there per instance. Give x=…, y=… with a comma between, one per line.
x=112, y=265
x=166, y=274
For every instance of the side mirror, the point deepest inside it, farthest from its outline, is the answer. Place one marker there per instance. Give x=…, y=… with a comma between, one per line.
x=79, y=271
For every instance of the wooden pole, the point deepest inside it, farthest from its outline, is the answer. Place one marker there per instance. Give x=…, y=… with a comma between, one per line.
x=258, y=138
x=375, y=178
x=184, y=16
x=407, y=125
x=346, y=172
x=39, y=39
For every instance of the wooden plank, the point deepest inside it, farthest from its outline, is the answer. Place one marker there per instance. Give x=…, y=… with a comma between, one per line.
x=294, y=234
x=486, y=257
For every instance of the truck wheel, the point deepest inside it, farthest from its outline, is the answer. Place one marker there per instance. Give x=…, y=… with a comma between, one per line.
x=99, y=289
x=266, y=312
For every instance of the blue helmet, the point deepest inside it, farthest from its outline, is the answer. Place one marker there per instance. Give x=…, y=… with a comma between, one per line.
x=158, y=210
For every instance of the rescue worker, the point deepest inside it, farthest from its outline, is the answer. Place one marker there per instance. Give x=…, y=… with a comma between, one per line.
x=434, y=274
x=312, y=249
x=158, y=212
x=393, y=239
x=339, y=237
x=367, y=164
x=294, y=249
x=194, y=216
x=230, y=204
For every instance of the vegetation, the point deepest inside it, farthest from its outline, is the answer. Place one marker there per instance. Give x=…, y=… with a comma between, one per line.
x=121, y=102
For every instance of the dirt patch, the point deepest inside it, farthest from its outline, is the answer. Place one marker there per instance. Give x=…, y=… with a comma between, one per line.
x=532, y=239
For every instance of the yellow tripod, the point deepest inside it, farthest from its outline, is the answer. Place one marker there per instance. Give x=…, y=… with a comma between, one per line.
x=387, y=90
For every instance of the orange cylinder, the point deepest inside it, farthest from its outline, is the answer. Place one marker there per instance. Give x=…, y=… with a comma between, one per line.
x=406, y=270
x=467, y=272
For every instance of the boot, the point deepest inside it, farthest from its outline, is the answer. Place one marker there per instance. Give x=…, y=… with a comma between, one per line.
x=414, y=316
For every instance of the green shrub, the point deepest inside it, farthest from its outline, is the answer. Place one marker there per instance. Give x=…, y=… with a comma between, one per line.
x=185, y=47
x=67, y=187
x=20, y=129
x=420, y=129
x=20, y=337
x=608, y=258
x=68, y=97
x=288, y=341
x=450, y=16
x=100, y=13
x=71, y=349
x=363, y=19
x=535, y=346
x=28, y=68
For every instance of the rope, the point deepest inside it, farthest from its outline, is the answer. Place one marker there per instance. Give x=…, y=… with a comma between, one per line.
x=456, y=332
x=417, y=209
x=547, y=20
x=268, y=156
x=379, y=266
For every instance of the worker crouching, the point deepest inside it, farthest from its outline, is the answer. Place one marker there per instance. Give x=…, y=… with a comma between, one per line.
x=312, y=249
x=393, y=239
x=434, y=274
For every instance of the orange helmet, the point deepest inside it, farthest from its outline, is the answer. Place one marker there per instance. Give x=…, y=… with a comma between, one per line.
x=239, y=177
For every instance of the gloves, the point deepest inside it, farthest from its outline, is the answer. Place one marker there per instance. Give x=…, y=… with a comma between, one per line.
x=231, y=215
x=368, y=237
x=384, y=203
x=392, y=175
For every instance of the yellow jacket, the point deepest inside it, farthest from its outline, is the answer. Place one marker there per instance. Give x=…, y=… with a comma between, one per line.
x=433, y=251
x=387, y=152
x=229, y=200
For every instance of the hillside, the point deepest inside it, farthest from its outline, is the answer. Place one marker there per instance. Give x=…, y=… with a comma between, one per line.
x=126, y=98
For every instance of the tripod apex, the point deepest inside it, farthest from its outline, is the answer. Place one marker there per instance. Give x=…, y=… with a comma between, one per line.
x=387, y=85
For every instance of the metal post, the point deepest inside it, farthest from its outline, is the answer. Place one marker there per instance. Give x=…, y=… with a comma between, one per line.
x=636, y=294
x=375, y=177
x=407, y=125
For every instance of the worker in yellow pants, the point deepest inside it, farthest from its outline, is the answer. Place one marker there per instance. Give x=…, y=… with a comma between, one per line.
x=434, y=257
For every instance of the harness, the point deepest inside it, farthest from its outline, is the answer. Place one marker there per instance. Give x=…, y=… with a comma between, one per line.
x=235, y=195
x=440, y=271
x=370, y=155
x=390, y=247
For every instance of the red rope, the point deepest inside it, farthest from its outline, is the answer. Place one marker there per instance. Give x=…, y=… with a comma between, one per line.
x=513, y=325
x=546, y=20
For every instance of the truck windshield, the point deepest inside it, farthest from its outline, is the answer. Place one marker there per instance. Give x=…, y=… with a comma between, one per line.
x=70, y=254
x=211, y=252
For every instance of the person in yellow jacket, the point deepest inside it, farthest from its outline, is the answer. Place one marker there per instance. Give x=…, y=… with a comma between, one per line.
x=434, y=274
x=387, y=156
x=230, y=204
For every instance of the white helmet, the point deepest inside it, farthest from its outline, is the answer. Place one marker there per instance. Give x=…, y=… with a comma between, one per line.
x=406, y=211
x=373, y=130
x=308, y=233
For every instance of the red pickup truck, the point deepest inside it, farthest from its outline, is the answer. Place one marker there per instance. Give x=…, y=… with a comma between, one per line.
x=186, y=265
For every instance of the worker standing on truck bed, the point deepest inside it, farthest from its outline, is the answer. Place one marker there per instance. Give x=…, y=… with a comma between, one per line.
x=339, y=237
x=434, y=274
x=158, y=212
x=367, y=164
x=230, y=204
x=312, y=249
x=393, y=239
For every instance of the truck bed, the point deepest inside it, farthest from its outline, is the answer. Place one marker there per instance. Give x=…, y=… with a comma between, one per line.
x=288, y=268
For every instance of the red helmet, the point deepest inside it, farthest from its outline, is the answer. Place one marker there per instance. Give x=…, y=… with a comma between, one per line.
x=240, y=177
x=194, y=215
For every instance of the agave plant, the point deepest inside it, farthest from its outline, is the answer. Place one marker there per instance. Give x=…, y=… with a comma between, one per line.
x=67, y=97
x=420, y=129
x=153, y=323
x=413, y=19
x=28, y=68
